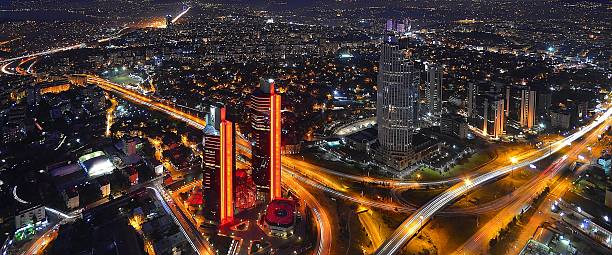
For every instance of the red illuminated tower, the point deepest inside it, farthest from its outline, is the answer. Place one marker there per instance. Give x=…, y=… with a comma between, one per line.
x=275, y=144
x=266, y=122
x=219, y=167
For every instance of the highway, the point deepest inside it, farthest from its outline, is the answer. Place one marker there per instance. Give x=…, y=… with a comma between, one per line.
x=147, y=101
x=42, y=53
x=479, y=242
x=367, y=179
x=324, y=225
x=180, y=15
x=414, y=222
x=349, y=197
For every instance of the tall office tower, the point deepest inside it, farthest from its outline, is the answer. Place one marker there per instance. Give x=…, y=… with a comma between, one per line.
x=397, y=95
x=219, y=167
x=528, y=107
x=266, y=122
x=433, y=85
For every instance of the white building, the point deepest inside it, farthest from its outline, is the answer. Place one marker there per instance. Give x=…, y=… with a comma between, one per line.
x=31, y=215
x=396, y=104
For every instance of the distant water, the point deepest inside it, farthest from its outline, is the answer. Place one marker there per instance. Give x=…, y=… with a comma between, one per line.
x=40, y=15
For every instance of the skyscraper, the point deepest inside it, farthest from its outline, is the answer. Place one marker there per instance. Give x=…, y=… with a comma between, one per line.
x=219, y=167
x=266, y=123
x=433, y=85
x=397, y=94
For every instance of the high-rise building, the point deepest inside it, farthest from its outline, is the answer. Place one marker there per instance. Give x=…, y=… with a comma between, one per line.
x=495, y=119
x=486, y=108
x=266, y=123
x=521, y=106
x=433, y=85
x=396, y=104
x=219, y=167
x=528, y=108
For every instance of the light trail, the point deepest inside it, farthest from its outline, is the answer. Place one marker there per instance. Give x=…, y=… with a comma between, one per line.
x=5, y=70
x=479, y=241
x=412, y=224
x=17, y=197
x=321, y=216
x=63, y=215
x=341, y=195
x=42, y=53
x=180, y=14
x=110, y=113
x=31, y=66
x=146, y=101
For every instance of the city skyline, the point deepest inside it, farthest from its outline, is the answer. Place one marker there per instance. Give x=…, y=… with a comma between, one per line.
x=305, y=127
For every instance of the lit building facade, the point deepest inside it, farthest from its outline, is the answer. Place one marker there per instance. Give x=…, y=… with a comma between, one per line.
x=396, y=103
x=528, y=108
x=219, y=167
x=265, y=106
x=486, y=108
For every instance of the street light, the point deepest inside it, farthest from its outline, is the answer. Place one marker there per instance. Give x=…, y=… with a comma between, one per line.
x=513, y=160
x=421, y=221
x=468, y=181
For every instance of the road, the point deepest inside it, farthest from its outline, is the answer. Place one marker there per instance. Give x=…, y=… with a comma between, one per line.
x=43, y=53
x=39, y=245
x=313, y=169
x=414, y=222
x=147, y=101
x=324, y=225
x=195, y=239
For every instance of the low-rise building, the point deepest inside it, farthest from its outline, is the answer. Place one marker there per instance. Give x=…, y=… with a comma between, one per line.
x=280, y=218
x=31, y=215
x=71, y=198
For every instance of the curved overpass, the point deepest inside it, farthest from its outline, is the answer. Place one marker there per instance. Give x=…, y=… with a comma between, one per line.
x=413, y=223
x=355, y=126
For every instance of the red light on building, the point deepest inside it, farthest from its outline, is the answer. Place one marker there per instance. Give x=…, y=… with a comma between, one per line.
x=275, y=145
x=227, y=172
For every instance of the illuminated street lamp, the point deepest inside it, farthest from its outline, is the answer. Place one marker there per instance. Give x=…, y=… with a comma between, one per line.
x=513, y=160
x=421, y=221
x=468, y=181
